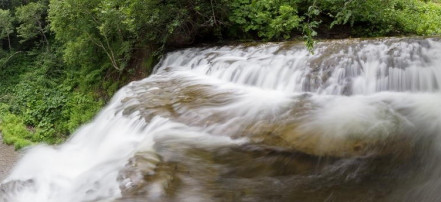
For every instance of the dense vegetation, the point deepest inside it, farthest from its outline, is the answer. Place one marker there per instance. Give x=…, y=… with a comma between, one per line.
x=61, y=60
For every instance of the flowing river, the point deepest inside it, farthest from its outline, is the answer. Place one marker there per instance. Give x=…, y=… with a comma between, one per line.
x=359, y=120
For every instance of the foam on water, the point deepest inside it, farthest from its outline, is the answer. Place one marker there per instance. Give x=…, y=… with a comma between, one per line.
x=353, y=98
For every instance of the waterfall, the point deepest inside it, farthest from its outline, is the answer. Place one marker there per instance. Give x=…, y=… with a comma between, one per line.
x=358, y=120
x=339, y=67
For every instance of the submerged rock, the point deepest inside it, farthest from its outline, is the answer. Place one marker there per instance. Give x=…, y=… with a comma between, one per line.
x=322, y=126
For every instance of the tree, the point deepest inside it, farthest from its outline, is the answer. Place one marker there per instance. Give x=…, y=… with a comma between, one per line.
x=101, y=23
x=6, y=27
x=31, y=21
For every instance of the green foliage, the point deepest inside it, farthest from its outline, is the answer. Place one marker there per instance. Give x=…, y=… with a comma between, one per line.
x=43, y=104
x=176, y=21
x=13, y=128
x=6, y=27
x=30, y=17
x=270, y=19
x=274, y=20
x=382, y=18
x=79, y=109
x=101, y=23
x=117, y=28
x=420, y=18
x=309, y=27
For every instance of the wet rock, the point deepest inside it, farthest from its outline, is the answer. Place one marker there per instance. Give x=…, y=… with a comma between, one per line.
x=296, y=124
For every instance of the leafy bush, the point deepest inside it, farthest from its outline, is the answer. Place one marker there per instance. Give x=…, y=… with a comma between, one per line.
x=383, y=18
x=269, y=19
x=43, y=103
x=13, y=128
x=79, y=109
x=420, y=18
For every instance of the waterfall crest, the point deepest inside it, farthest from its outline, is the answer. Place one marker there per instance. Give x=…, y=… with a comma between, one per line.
x=257, y=123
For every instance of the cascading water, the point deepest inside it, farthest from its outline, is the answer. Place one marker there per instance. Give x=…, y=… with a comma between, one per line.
x=360, y=120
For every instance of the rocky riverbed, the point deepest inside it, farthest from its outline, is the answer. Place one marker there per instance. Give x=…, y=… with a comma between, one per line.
x=8, y=157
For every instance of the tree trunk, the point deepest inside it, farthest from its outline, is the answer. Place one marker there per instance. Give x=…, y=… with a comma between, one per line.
x=44, y=35
x=9, y=43
x=45, y=40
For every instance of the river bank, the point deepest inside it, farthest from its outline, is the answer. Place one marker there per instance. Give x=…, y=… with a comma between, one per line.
x=8, y=157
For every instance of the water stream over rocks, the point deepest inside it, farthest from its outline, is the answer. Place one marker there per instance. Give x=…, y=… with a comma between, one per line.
x=360, y=120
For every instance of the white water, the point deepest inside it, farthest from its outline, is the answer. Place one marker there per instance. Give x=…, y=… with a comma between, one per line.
x=363, y=67
x=352, y=98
